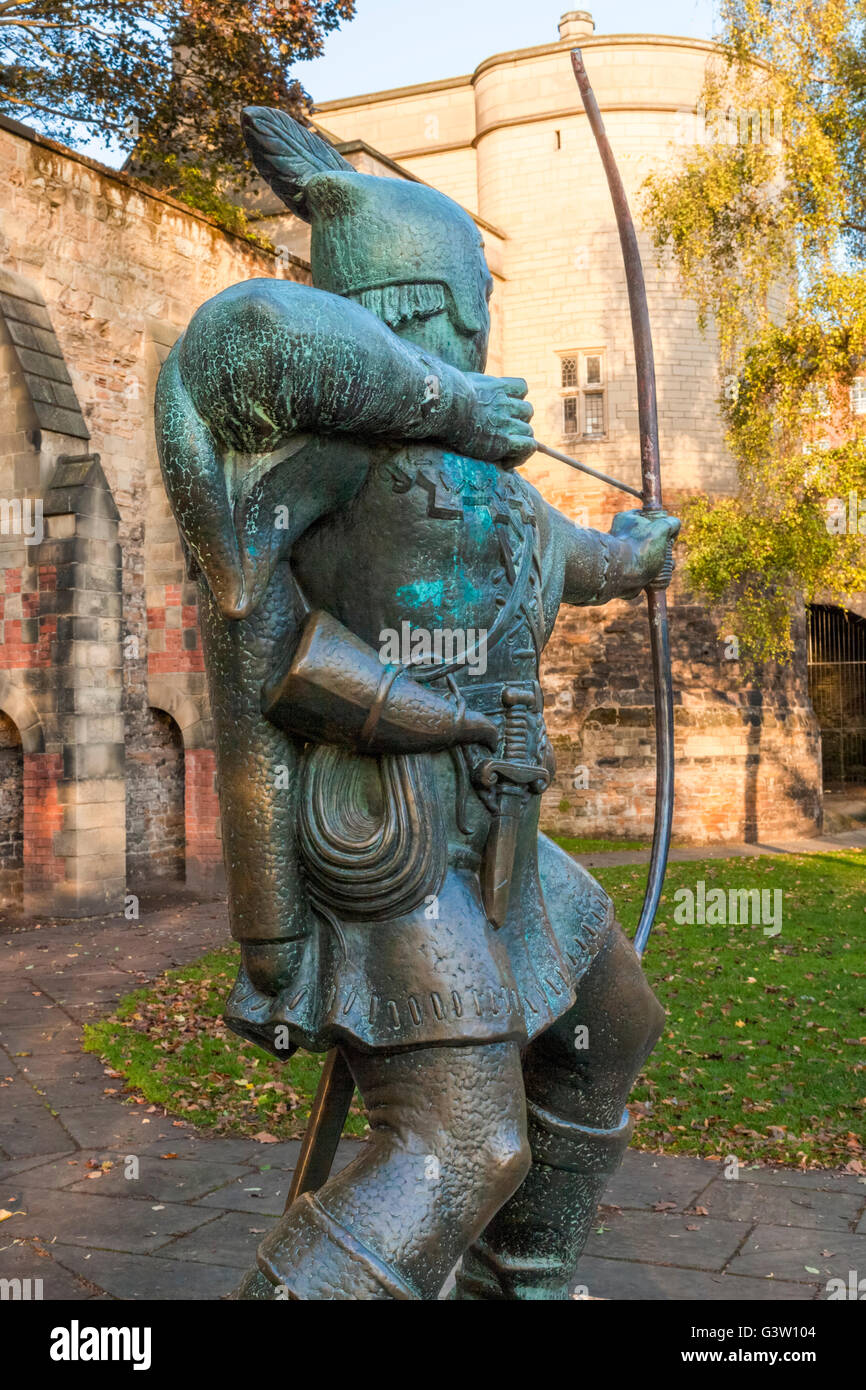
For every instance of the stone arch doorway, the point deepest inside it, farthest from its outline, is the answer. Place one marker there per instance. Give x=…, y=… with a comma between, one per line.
x=155, y=803
x=11, y=814
x=837, y=688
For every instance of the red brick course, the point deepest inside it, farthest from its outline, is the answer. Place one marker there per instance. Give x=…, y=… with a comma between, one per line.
x=42, y=819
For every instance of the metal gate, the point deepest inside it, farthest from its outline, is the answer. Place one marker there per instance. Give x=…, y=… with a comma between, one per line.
x=837, y=686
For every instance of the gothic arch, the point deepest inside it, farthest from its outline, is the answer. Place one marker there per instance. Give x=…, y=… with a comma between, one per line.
x=16, y=703
x=186, y=711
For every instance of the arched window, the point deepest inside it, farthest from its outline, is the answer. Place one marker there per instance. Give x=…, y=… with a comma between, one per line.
x=155, y=833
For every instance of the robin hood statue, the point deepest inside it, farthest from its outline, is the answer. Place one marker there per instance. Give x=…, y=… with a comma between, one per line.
x=377, y=586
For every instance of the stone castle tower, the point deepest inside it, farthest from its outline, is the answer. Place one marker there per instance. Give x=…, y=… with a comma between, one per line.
x=511, y=142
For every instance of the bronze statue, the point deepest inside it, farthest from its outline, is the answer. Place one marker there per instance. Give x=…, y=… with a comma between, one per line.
x=377, y=586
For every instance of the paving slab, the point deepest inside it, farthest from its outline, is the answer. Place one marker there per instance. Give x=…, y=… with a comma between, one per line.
x=187, y=1142
x=665, y=1239
x=783, y=1206
x=793, y=1253
x=116, y=1126
x=226, y=1240
x=158, y=1180
x=109, y=1223
x=146, y=1277
x=189, y=1226
x=9, y=1167
x=48, y=1280
x=33, y=1131
x=645, y=1179
x=163, y=1179
x=825, y=1179
x=262, y=1194
x=623, y=1279
x=286, y=1155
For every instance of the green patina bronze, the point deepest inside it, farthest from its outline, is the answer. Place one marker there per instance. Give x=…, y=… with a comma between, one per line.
x=377, y=586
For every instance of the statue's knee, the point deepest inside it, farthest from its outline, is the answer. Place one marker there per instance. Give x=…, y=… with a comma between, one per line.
x=655, y=1022
x=633, y=1018
x=505, y=1161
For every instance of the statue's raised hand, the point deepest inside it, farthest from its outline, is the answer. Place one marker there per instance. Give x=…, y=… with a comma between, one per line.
x=495, y=424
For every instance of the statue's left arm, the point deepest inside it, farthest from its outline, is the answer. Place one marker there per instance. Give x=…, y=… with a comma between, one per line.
x=598, y=566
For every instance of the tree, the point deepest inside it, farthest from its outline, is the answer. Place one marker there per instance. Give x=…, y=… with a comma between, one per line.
x=765, y=218
x=166, y=77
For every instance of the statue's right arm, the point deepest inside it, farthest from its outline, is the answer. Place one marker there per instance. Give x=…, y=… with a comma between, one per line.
x=275, y=395
x=268, y=359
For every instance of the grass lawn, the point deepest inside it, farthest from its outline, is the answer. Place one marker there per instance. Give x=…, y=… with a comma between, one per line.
x=763, y=1055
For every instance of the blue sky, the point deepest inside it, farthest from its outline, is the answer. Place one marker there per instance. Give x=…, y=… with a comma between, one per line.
x=394, y=43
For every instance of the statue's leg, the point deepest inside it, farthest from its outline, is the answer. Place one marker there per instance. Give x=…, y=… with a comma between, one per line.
x=577, y=1084
x=447, y=1147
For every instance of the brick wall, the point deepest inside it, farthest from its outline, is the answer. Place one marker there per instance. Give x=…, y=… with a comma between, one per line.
x=26, y=632
x=121, y=270
x=43, y=820
x=203, y=839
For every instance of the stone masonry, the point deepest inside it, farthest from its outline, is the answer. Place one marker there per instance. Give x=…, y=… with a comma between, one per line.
x=106, y=765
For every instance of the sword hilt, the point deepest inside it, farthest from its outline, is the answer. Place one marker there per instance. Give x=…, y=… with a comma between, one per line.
x=515, y=768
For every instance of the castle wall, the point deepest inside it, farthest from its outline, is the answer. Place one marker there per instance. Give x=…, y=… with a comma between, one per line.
x=100, y=664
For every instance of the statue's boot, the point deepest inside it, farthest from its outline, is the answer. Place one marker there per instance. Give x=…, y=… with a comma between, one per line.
x=311, y=1256
x=531, y=1247
x=447, y=1147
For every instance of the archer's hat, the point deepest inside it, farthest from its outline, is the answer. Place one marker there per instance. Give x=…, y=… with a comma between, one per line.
x=369, y=232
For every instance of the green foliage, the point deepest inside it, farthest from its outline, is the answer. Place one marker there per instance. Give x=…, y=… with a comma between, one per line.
x=198, y=189
x=768, y=232
x=171, y=1044
x=581, y=845
x=159, y=76
x=764, y=1055
x=764, y=1052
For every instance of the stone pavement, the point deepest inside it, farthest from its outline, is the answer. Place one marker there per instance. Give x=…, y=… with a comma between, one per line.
x=686, y=854
x=672, y=1228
